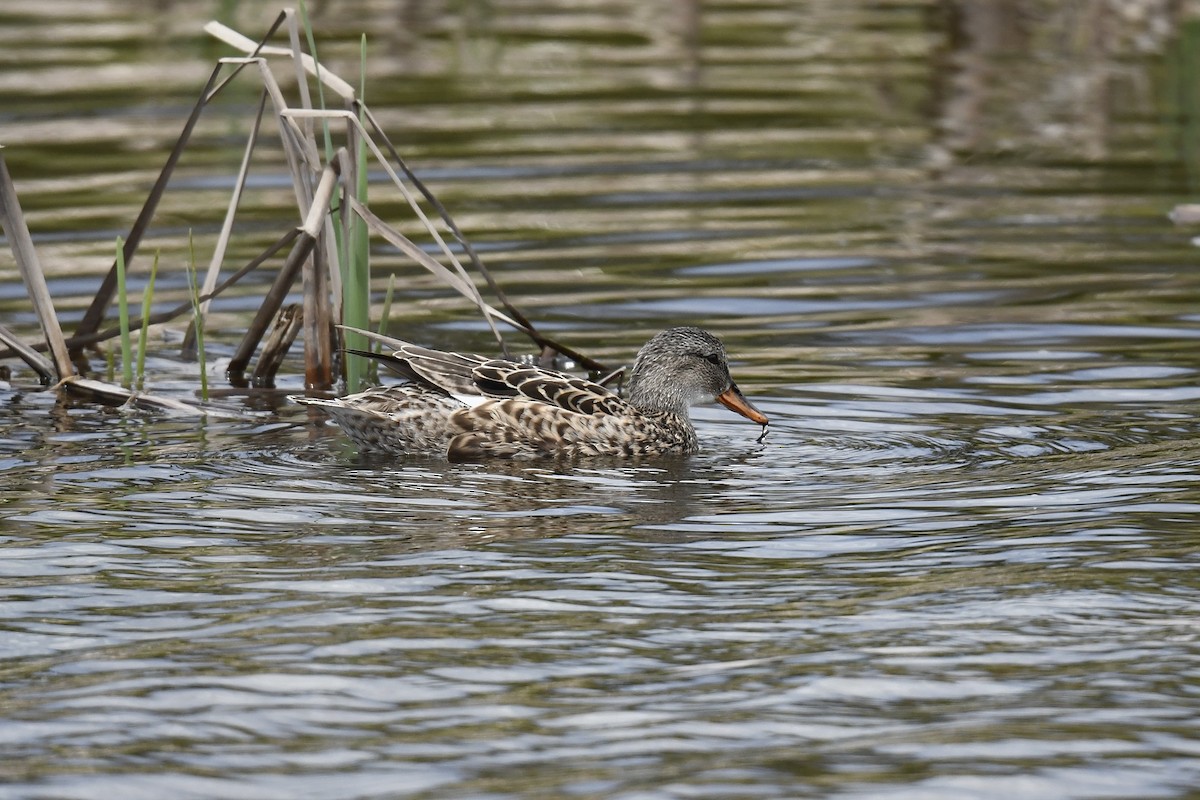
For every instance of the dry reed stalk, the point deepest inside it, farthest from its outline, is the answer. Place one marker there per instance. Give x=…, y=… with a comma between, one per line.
x=349, y=168
x=354, y=307
x=94, y=315
x=420, y=186
x=99, y=306
x=276, y=347
x=465, y=286
x=303, y=160
x=188, y=349
x=316, y=321
x=318, y=324
x=413, y=251
x=297, y=55
x=525, y=325
x=306, y=239
x=301, y=249
x=116, y=395
x=515, y=318
x=36, y=361
x=239, y=42
x=31, y=271
x=183, y=308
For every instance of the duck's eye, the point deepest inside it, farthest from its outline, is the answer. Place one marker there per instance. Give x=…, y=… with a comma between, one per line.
x=712, y=358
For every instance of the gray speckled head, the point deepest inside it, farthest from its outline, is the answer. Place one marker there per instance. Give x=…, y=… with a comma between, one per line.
x=683, y=367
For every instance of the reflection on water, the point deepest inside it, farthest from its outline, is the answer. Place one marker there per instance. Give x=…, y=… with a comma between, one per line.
x=962, y=563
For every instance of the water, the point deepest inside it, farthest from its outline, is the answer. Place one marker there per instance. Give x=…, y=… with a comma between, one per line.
x=962, y=564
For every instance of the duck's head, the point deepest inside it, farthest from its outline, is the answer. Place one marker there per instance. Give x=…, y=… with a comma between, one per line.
x=683, y=367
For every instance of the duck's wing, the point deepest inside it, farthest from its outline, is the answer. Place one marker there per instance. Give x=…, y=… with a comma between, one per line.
x=444, y=372
x=499, y=378
x=466, y=375
x=449, y=373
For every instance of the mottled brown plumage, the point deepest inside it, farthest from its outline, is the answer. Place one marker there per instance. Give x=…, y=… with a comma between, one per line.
x=470, y=407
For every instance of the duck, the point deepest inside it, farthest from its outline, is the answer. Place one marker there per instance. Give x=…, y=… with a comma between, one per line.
x=468, y=407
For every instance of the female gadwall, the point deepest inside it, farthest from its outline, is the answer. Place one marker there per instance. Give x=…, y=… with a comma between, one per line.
x=469, y=407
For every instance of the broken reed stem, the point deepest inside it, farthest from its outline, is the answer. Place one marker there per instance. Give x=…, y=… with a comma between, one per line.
x=26, y=257
x=312, y=49
x=275, y=349
x=36, y=361
x=409, y=248
x=305, y=240
x=459, y=236
x=188, y=349
x=336, y=275
x=95, y=312
x=523, y=323
x=294, y=28
x=318, y=345
x=318, y=323
x=115, y=395
x=183, y=308
x=246, y=45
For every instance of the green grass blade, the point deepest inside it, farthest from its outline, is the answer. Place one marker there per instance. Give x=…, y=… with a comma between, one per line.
x=123, y=312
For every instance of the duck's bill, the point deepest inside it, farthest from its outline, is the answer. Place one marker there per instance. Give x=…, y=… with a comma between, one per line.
x=733, y=399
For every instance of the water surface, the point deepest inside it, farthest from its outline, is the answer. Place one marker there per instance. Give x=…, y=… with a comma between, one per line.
x=963, y=563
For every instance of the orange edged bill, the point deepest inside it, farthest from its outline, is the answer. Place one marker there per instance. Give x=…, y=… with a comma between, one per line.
x=733, y=399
